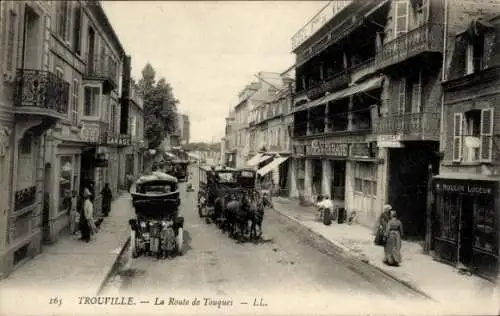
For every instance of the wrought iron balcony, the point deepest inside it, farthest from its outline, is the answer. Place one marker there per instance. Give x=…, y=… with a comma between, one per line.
x=25, y=197
x=410, y=126
x=331, y=83
x=102, y=68
x=425, y=38
x=40, y=92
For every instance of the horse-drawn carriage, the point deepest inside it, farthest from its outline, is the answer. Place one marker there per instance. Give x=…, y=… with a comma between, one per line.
x=229, y=198
x=209, y=189
x=157, y=229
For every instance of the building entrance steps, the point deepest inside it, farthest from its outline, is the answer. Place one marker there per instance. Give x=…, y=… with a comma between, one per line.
x=441, y=282
x=71, y=265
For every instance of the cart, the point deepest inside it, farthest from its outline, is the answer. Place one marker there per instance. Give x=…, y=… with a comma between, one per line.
x=157, y=229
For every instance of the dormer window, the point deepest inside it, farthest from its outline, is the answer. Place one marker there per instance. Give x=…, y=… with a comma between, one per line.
x=475, y=54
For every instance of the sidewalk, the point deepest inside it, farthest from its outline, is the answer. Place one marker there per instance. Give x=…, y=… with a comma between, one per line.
x=439, y=281
x=71, y=264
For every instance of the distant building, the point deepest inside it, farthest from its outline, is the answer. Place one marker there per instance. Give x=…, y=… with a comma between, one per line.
x=182, y=132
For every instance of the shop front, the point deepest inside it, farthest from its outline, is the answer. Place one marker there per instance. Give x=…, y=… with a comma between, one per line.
x=465, y=225
x=362, y=182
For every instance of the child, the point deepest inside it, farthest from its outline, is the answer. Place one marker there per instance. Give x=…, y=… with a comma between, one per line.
x=167, y=240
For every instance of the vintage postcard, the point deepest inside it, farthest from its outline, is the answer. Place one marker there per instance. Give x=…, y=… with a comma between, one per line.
x=250, y=157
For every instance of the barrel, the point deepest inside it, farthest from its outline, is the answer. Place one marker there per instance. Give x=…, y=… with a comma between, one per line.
x=327, y=217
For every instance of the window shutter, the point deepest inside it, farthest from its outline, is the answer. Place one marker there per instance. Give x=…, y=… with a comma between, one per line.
x=486, y=149
x=402, y=96
x=490, y=48
x=77, y=28
x=458, y=59
x=46, y=42
x=457, y=136
x=11, y=39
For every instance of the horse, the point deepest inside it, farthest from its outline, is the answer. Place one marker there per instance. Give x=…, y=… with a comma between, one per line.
x=256, y=210
x=238, y=216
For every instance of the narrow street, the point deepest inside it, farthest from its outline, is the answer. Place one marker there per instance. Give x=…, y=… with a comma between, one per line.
x=290, y=261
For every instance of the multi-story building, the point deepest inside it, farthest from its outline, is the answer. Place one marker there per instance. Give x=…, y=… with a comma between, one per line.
x=368, y=109
x=467, y=187
x=253, y=95
x=132, y=123
x=185, y=128
x=269, y=138
x=60, y=65
x=229, y=140
x=337, y=93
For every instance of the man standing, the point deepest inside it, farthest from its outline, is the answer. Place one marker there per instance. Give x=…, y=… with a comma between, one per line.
x=107, y=196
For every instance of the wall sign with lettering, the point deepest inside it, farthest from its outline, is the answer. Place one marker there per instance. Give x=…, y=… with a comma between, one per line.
x=465, y=187
x=326, y=148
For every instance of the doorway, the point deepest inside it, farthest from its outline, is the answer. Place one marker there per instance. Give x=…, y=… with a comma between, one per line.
x=317, y=174
x=338, y=182
x=466, y=230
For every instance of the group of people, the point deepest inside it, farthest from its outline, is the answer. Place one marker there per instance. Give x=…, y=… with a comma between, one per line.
x=82, y=217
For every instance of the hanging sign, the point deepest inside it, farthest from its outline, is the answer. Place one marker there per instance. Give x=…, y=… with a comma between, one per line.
x=327, y=148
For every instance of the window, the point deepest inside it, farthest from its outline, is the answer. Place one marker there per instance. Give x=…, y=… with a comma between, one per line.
x=92, y=100
x=25, y=144
x=11, y=35
x=365, y=179
x=421, y=12
x=63, y=19
x=77, y=27
x=133, y=126
x=112, y=119
x=485, y=236
x=448, y=206
x=478, y=135
x=402, y=96
x=401, y=18
x=475, y=54
x=65, y=181
x=59, y=73
x=416, y=94
x=75, y=103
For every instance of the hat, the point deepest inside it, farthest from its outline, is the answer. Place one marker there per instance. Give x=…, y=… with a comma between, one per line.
x=387, y=207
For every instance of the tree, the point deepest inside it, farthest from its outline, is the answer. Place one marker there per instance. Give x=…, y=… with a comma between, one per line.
x=160, y=107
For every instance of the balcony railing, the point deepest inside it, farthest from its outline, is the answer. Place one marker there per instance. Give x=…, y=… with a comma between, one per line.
x=331, y=83
x=424, y=38
x=101, y=67
x=41, y=92
x=411, y=126
x=24, y=198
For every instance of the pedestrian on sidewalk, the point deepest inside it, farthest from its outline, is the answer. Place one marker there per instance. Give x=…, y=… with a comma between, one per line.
x=382, y=224
x=87, y=224
x=73, y=214
x=107, y=197
x=393, y=235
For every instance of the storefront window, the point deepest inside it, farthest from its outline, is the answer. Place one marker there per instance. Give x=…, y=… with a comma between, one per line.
x=65, y=181
x=485, y=224
x=365, y=178
x=448, y=210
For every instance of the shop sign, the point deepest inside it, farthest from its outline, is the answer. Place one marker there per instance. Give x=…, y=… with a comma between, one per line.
x=469, y=188
x=324, y=148
x=363, y=150
x=389, y=141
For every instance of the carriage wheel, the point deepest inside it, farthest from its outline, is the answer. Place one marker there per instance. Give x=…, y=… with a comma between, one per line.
x=133, y=248
x=180, y=240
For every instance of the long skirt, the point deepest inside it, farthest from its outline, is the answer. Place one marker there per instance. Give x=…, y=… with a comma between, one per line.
x=392, y=248
x=85, y=228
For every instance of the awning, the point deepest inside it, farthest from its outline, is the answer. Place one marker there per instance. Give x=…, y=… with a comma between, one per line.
x=367, y=85
x=272, y=165
x=254, y=160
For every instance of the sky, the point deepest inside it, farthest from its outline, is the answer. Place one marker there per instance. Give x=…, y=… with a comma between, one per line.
x=209, y=50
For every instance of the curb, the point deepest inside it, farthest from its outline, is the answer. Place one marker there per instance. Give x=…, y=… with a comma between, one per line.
x=346, y=251
x=114, y=267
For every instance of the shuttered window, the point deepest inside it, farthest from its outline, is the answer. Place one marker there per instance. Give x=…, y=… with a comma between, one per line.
x=486, y=151
x=63, y=20
x=75, y=104
x=402, y=96
x=416, y=95
x=457, y=136
x=10, y=50
x=401, y=18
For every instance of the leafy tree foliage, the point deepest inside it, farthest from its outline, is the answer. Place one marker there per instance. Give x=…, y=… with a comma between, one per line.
x=160, y=107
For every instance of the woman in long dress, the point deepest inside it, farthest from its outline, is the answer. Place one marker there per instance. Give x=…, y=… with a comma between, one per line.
x=382, y=224
x=87, y=224
x=393, y=235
